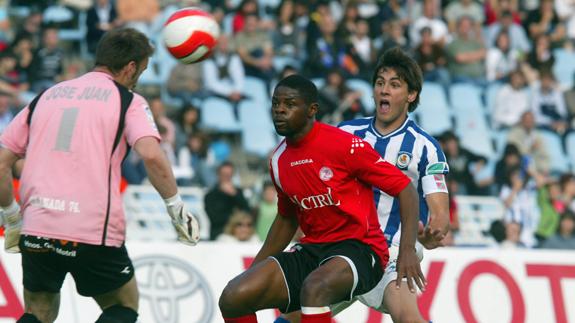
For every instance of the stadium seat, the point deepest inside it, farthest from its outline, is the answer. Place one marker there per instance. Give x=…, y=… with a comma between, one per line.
x=564, y=67
x=490, y=96
x=146, y=217
x=218, y=115
x=570, y=146
x=253, y=113
x=255, y=89
x=433, y=112
x=474, y=132
x=500, y=139
x=465, y=97
x=319, y=82
x=259, y=140
x=77, y=34
x=558, y=158
x=475, y=216
x=366, y=90
x=280, y=62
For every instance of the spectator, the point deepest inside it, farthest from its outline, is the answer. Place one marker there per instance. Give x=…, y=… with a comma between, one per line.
x=545, y=21
x=466, y=55
x=430, y=19
x=240, y=228
x=47, y=66
x=513, y=233
x=32, y=26
x=222, y=199
x=565, y=237
x=326, y=51
x=511, y=158
x=348, y=24
x=288, y=37
x=197, y=161
x=11, y=81
x=547, y=103
x=541, y=56
x=567, y=184
x=187, y=123
x=255, y=48
x=267, y=210
x=456, y=10
x=186, y=82
x=143, y=15
x=362, y=50
x=133, y=169
x=511, y=101
x=529, y=141
x=245, y=8
x=337, y=101
x=517, y=37
x=393, y=35
x=501, y=59
x=547, y=195
x=432, y=59
x=519, y=195
x=497, y=231
x=224, y=74
x=100, y=18
x=495, y=9
x=159, y=113
x=464, y=166
x=23, y=48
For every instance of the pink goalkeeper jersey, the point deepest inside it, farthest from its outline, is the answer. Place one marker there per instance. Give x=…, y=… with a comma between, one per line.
x=70, y=184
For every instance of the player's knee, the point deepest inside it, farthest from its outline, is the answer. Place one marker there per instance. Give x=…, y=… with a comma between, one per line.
x=118, y=314
x=28, y=318
x=315, y=291
x=235, y=296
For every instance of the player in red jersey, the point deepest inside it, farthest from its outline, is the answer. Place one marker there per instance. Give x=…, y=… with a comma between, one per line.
x=324, y=178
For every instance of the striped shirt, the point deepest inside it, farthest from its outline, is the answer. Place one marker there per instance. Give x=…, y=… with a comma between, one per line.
x=414, y=152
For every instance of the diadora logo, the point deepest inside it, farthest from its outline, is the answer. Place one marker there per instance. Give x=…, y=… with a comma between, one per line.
x=301, y=162
x=356, y=143
x=316, y=201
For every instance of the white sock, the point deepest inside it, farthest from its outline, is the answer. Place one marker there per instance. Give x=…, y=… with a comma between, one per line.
x=314, y=310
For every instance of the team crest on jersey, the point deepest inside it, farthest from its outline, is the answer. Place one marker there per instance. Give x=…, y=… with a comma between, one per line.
x=403, y=160
x=325, y=173
x=150, y=117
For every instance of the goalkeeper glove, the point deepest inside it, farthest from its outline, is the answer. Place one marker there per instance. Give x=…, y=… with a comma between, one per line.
x=12, y=225
x=184, y=222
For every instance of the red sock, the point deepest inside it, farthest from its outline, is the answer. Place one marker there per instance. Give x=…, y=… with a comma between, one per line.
x=316, y=318
x=250, y=318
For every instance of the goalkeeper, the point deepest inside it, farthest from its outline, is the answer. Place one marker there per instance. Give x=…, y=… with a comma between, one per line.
x=74, y=137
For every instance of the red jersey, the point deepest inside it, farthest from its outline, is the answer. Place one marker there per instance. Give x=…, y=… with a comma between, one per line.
x=326, y=180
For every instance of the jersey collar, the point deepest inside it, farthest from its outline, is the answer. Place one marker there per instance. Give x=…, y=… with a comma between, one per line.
x=391, y=134
x=307, y=138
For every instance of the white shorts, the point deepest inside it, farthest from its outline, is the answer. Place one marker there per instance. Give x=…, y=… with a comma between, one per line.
x=374, y=298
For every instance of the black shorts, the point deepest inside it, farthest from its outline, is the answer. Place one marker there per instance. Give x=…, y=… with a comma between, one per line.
x=95, y=269
x=302, y=259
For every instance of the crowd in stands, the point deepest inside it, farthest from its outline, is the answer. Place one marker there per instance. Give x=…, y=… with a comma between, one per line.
x=515, y=55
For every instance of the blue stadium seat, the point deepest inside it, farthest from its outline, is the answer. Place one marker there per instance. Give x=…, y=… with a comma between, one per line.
x=465, y=97
x=491, y=95
x=558, y=158
x=474, y=132
x=218, y=115
x=255, y=89
x=500, y=138
x=366, y=89
x=564, y=67
x=259, y=140
x=433, y=112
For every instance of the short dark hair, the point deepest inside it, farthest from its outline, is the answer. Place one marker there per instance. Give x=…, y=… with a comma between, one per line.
x=304, y=86
x=406, y=68
x=118, y=47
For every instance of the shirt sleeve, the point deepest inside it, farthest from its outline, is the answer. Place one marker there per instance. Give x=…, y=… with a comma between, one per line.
x=140, y=121
x=285, y=206
x=432, y=170
x=15, y=136
x=366, y=163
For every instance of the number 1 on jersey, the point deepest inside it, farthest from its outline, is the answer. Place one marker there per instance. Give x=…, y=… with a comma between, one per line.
x=66, y=129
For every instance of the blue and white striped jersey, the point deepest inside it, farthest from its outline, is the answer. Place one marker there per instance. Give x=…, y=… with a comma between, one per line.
x=414, y=152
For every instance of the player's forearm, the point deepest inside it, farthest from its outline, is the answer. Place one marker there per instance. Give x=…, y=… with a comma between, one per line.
x=7, y=160
x=438, y=211
x=157, y=166
x=278, y=238
x=409, y=213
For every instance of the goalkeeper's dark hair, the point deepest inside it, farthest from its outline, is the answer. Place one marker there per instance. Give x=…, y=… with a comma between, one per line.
x=406, y=68
x=118, y=47
x=304, y=86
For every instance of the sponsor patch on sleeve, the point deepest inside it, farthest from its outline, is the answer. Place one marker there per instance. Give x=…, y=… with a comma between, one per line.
x=437, y=168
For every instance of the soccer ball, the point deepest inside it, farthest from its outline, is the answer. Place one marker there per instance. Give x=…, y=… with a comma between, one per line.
x=190, y=35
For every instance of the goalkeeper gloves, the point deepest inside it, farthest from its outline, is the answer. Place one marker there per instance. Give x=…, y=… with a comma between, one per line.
x=12, y=226
x=184, y=222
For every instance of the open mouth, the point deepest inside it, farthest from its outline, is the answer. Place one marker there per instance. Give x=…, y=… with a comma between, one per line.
x=384, y=106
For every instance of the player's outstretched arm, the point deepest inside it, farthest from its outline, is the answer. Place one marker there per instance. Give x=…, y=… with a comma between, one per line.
x=9, y=208
x=437, y=227
x=160, y=174
x=279, y=236
x=407, y=261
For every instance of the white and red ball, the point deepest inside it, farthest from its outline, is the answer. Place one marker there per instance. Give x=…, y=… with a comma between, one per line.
x=190, y=35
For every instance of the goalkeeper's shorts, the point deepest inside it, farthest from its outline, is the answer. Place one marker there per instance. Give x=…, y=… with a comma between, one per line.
x=96, y=269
